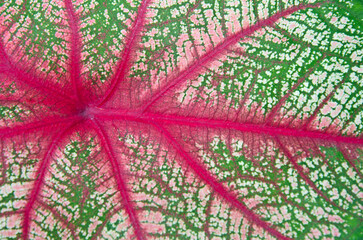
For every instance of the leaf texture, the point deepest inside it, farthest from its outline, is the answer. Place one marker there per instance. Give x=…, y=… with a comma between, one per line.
x=159, y=119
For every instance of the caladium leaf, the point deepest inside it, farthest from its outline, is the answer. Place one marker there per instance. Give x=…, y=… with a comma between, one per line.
x=181, y=119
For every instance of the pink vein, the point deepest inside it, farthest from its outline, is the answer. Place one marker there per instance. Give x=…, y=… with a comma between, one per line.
x=60, y=218
x=32, y=126
x=196, y=66
x=75, y=52
x=121, y=185
x=324, y=102
x=300, y=170
x=203, y=174
x=246, y=96
x=126, y=57
x=8, y=68
x=222, y=124
x=350, y=160
x=274, y=110
x=4, y=166
x=40, y=175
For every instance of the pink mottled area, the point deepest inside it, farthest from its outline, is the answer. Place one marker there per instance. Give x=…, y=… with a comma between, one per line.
x=156, y=224
x=48, y=62
x=118, y=228
x=187, y=51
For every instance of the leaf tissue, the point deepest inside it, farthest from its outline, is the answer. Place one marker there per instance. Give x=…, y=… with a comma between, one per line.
x=178, y=119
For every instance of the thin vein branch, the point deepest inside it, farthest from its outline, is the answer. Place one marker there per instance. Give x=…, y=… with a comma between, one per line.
x=205, y=176
x=22, y=77
x=124, y=63
x=7, y=132
x=307, y=180
x=198, y=65
x=39, y=181
x=121, y=184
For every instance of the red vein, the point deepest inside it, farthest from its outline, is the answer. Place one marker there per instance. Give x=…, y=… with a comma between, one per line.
x=274, y=110
x=124, y=63
x=324, y=102
x=4, y=165
x=350, y=160
x=40, y=175
x=4, y=59
x=336, y=175
x=300, y=170
x=75, y=52
x=60, y=218
x=196, y=66
x=108, y=216
x=32, y=126
x=203, y=174
x=11, y=69
x=107, y=114
x=121, y=185
x=11, y=213
x=246, y=96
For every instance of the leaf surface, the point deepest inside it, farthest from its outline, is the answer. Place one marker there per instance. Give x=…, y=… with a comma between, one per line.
x=181, y=120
